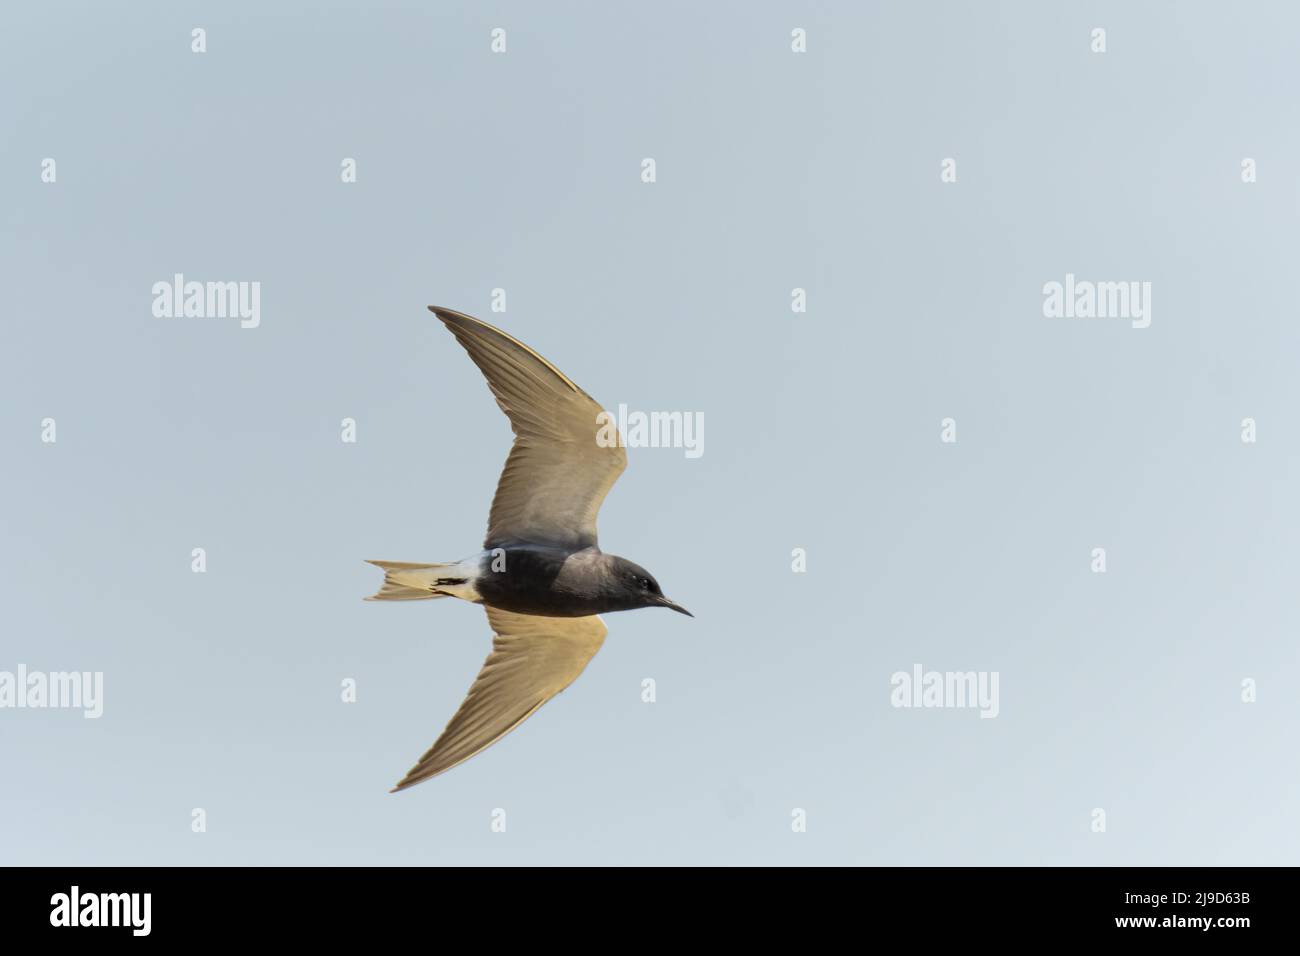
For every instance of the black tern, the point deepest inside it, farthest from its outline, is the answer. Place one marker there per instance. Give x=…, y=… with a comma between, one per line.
x=541, y=575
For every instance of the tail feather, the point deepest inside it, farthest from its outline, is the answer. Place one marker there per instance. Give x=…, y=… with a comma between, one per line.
x=405, y=581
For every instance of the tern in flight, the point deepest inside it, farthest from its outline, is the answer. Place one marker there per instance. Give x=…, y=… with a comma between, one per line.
x=540, y=575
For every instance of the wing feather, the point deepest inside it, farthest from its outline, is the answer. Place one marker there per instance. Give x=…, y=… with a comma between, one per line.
x=533, y=659
x=557, y=474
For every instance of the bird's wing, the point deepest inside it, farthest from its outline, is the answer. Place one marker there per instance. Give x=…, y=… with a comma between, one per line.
x=557, y=474
x=533, y=659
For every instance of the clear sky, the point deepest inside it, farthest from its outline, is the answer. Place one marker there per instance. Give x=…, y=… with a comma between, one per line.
x=775, y=170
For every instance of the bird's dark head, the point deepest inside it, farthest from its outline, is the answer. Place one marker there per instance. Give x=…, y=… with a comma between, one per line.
x=635, y=587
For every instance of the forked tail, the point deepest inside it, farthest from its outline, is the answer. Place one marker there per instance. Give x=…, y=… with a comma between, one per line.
x=404, y=581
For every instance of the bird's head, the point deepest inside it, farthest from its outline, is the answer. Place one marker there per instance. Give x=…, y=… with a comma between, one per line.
x=637, y=587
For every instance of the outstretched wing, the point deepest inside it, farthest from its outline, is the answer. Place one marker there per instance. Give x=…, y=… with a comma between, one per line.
x=533, y=659
x=557, y=474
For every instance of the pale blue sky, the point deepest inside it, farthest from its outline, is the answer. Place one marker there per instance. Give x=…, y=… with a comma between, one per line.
x=775, y=171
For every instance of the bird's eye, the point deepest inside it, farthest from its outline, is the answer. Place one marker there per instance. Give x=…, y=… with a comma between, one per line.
x=645, y=583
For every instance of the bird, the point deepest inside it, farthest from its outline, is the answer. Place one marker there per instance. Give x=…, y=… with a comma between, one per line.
x=540, y=575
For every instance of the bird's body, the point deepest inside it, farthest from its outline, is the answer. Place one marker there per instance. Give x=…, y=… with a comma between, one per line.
x=540, y=575
x=526, y=579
